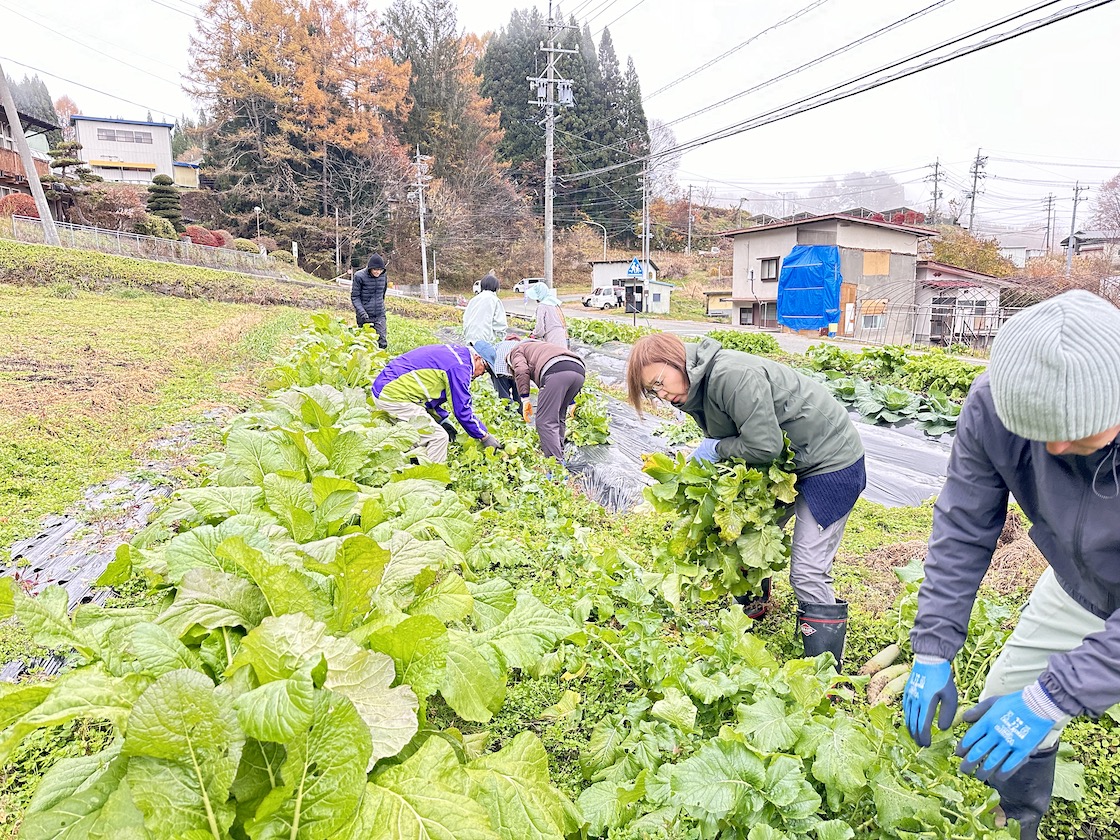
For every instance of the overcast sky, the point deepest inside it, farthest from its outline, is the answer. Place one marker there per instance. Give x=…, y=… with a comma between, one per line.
x=1046, y=98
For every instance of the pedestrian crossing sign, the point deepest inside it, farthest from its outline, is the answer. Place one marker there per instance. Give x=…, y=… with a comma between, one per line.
x=635, y=268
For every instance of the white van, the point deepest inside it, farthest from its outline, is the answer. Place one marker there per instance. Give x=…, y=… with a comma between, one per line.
x=522, y=285
x=604, y=298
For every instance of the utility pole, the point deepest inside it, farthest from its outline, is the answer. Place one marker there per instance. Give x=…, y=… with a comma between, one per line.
x=1049, y=216
x=688, y=247
x=1077, y=190
x=337, y=246
x=549, y=96
x=645, y=239
x=936, y=178
x=50, y=232
x=977, y=170
x=422, y=179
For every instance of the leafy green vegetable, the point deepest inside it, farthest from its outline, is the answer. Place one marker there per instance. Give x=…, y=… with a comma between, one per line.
x=725, y=536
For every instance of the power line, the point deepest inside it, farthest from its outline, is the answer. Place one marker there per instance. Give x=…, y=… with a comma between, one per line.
x=620, y=17
x=799, y=13
x=803, y=67
x=1113, y=166
x=91, y=48
x=152, y=108
x=883, y=68
x=174, y=9
x=122, y=47
x=837, y=94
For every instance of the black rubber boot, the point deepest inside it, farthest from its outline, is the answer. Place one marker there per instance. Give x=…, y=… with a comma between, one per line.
x=756, y=604
x=823, y=627
x=1025, y=794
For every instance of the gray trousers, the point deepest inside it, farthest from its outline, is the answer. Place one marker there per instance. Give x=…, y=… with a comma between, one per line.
x=556, y=393
x=814, y=550
x=380, y=325
x=1051, y=622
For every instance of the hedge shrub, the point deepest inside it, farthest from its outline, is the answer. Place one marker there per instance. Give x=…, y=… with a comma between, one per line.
x=152, y=225
x=18, y=204
x=201, y=236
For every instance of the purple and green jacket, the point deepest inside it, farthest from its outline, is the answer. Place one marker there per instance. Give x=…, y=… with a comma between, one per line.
x=429, y=375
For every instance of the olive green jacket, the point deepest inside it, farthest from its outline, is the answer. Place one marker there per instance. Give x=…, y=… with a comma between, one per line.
x=747, y=402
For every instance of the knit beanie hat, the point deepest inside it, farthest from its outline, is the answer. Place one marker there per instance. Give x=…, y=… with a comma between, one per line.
x=375, y=263
x=1055, y=368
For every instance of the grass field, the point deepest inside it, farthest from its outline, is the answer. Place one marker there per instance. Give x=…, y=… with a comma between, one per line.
x=85, y=380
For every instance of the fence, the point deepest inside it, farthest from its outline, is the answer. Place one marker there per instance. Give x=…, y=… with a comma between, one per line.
x=26, y=229
x=970, y=324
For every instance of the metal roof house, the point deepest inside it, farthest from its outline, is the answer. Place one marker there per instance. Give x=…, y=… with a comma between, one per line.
x=13, y=175
x=875, y=259
x=132, y=151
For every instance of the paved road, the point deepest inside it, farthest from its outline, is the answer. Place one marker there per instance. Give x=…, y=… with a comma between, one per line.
x=789, y=342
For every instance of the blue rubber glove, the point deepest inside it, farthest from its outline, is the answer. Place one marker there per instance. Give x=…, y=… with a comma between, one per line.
x=1004, y=733
x=706, y=451
x=930, y=685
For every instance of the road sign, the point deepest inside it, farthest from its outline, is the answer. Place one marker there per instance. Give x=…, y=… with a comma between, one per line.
x=635, y=268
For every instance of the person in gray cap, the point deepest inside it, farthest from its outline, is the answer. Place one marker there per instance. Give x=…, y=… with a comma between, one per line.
x=1041, y=425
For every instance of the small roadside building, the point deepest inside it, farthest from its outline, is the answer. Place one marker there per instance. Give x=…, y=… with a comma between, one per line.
x=186, y=174
x=659, y=292
x=954, y=305
x=627, y=275
x=607, y=273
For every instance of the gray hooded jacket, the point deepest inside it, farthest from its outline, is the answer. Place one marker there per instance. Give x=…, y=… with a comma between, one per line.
x=1074, y=504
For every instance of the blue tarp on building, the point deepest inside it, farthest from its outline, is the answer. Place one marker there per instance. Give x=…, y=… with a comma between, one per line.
x=809, y=288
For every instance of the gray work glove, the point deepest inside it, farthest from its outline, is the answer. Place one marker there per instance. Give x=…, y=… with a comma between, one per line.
x=491, y=442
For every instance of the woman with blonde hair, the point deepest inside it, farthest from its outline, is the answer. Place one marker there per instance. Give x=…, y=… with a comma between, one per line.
x=745, y=404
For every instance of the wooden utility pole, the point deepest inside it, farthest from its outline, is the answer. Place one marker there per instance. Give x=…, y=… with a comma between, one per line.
x=50, y=232
x=1049, y=217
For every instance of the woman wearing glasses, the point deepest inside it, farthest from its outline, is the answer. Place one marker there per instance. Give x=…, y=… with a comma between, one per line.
x=744, y=403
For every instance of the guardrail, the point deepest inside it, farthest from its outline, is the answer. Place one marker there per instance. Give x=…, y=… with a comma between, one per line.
x=125, y=244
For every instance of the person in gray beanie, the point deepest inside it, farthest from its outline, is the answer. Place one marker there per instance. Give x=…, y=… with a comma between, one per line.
x=1040, y=425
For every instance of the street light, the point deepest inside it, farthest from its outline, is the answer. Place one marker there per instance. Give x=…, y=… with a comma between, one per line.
x=589, y=222
x=257, y=210
x=739, y=217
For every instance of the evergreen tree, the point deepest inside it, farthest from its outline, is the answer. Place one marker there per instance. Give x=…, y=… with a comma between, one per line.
x=164, y=201
x=448, y=118
x=510, y=57
x=33, y=99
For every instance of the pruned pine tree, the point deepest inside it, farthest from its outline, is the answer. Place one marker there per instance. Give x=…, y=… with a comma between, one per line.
x=164, y=201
